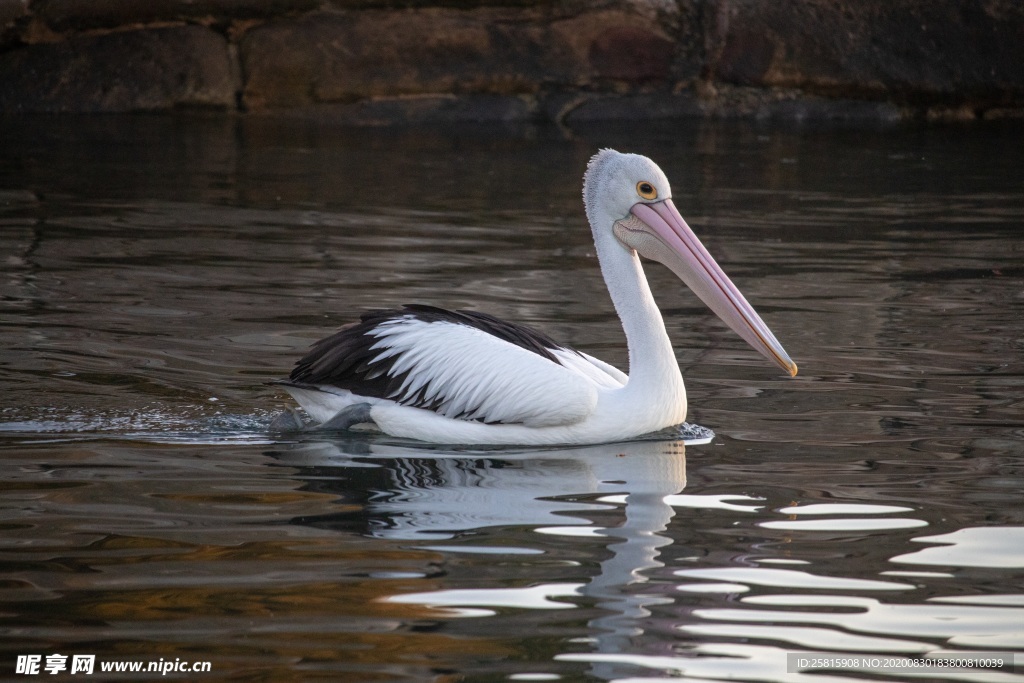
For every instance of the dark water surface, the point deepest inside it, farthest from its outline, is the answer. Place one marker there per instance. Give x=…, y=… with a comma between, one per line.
x=157, y=272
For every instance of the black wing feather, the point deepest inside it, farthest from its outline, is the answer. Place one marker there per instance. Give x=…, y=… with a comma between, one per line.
x=345, y=359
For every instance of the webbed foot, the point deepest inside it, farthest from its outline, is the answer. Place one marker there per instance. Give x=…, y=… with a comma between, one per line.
x=357, y=413
x=287, y=421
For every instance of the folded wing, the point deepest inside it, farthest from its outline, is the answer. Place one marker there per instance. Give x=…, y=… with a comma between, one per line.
x=459, y=364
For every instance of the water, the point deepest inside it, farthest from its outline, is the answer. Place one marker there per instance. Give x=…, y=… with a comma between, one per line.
x=159, y=271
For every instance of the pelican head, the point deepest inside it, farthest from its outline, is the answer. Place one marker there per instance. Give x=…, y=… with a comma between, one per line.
x=628, y=195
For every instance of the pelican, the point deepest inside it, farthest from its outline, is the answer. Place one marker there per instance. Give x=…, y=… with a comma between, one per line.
x=465, y=377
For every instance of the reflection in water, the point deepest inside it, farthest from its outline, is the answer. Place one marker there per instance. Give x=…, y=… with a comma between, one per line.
x=636, y=489
x=158, y=271
x=438, y=498
x=427, y=496
x=1001, y=546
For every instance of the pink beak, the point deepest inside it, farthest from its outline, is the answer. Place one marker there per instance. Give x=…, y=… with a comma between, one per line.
x=682, y=252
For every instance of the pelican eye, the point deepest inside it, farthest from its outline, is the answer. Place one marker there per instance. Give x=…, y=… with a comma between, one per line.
x=646, y=190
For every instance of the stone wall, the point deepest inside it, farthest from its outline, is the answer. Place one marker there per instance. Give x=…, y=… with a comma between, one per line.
x=383, y=61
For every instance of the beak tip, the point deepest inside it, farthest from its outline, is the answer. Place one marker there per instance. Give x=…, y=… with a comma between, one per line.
x=792, y=369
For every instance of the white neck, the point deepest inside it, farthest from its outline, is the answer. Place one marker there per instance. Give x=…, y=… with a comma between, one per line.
x=653, y=371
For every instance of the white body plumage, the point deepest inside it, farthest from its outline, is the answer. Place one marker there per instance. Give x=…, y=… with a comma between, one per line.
x=513, y=396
